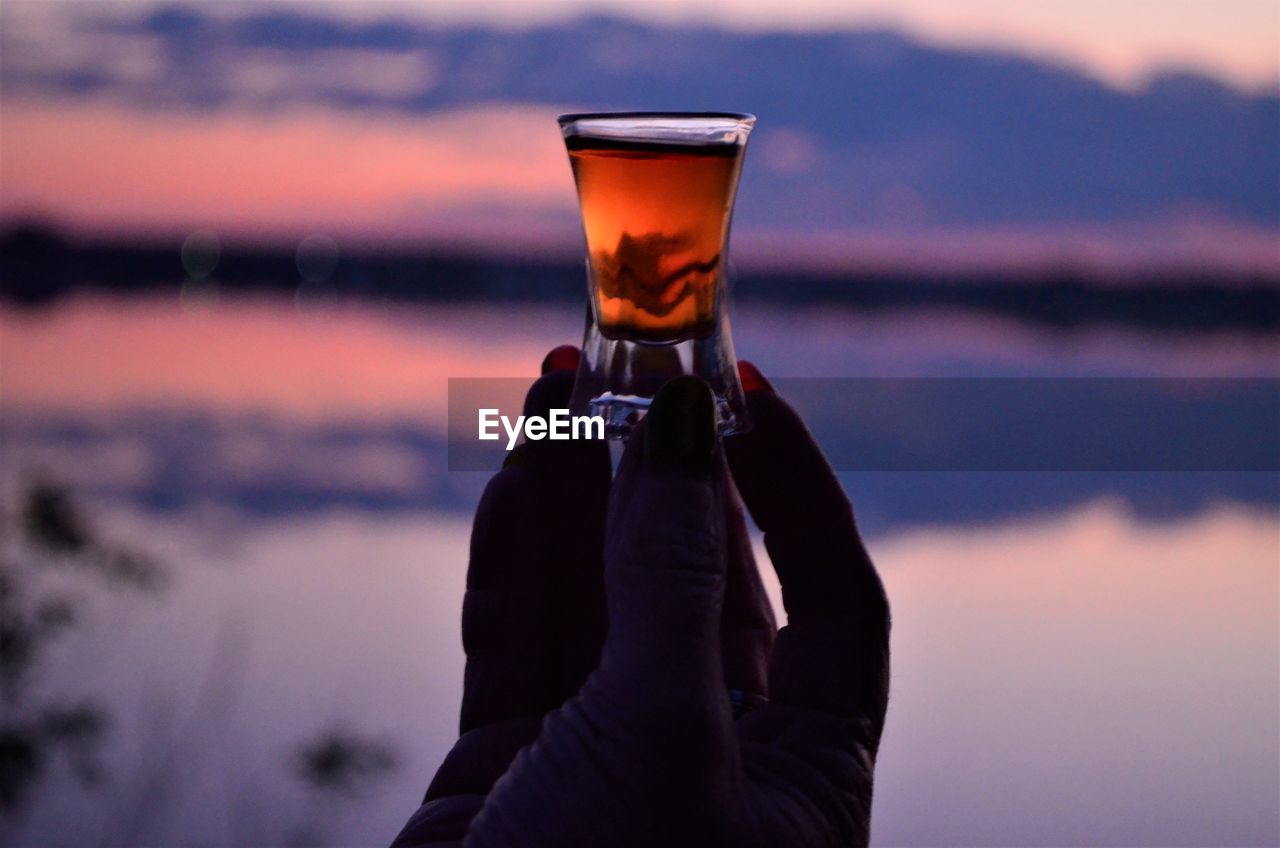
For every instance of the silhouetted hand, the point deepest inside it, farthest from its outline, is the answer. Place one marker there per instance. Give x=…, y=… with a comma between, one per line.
x=687, y=724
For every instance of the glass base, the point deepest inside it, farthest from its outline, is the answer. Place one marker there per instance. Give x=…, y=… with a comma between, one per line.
x=622, y=413
x=618, y=378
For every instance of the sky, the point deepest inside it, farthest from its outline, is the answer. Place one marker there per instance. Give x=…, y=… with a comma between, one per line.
x=938, y=133
x=1120, y=40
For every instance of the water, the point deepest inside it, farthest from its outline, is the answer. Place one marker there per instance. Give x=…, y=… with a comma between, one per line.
x=1084, y=659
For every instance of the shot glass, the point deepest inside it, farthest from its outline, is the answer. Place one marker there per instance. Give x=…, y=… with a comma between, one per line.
x=656, y=192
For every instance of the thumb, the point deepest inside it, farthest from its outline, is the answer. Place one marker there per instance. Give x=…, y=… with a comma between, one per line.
x=665, y=548
x=645, y=754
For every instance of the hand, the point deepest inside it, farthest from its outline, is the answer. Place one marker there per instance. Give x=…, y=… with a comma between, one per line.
x=638, y=744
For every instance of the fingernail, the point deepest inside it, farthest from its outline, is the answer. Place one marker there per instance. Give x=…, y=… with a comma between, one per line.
x=564, y=357
x=752, y=379
x=680, y=428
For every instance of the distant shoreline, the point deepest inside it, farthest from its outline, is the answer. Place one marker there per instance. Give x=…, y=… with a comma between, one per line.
x=40, y=265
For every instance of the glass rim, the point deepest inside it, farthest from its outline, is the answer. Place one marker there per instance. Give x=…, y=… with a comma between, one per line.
x=682, y=128
x=691, y=117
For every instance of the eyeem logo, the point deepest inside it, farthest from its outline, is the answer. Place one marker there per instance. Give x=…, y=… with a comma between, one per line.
x=559, y=425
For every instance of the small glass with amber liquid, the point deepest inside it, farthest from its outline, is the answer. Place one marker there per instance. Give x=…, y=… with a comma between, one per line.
x=656, y=194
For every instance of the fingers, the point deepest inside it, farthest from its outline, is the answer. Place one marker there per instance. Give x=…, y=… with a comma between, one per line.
x=794, y=497
x=665, y=553
x=504, y=609
x=533, y=613
x=833, y=655
x=572, y=492
x=645, y=754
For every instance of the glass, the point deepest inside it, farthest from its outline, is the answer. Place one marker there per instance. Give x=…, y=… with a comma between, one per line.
x=656, y=193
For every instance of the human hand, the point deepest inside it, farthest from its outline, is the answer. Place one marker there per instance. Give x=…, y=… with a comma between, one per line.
x=647, y=751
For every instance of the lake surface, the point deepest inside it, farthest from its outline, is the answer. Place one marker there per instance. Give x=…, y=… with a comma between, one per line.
x=1079, y=658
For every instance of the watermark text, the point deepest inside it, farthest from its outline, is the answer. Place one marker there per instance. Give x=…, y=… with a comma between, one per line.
x=558, y=425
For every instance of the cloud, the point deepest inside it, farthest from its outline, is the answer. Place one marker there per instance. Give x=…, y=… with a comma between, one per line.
x=860, y=129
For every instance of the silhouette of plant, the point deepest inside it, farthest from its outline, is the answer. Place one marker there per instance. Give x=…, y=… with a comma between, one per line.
x=46, y=540
x=336, y=765
x=51, y=555
x=343, y=762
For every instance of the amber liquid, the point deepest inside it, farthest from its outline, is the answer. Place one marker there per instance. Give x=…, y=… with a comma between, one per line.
x=656, y=218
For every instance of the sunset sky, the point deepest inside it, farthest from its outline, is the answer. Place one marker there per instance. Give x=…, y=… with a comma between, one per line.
x=1121, y=40
x=947, y=132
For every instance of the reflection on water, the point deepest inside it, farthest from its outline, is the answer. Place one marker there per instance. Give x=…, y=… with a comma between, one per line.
x=1084, y=680
x=1087, y=678
x=656, y=216
x=1066, y=668
x=391, y=362
x=258, y=408
x=639, y=292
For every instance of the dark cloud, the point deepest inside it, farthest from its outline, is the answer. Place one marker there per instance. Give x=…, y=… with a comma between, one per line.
x=874, y=128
